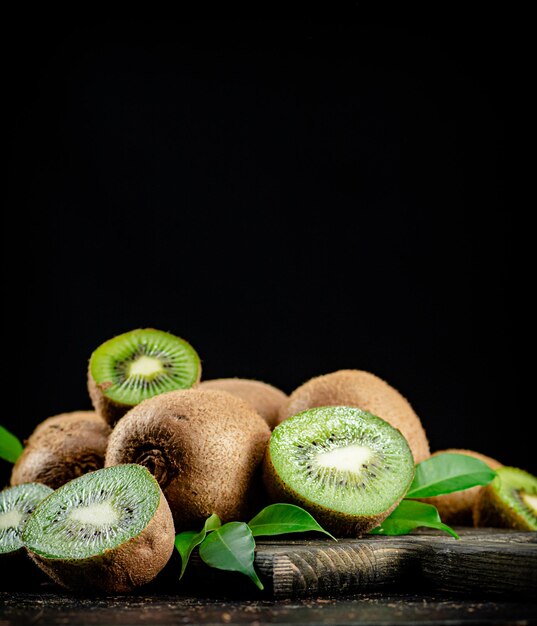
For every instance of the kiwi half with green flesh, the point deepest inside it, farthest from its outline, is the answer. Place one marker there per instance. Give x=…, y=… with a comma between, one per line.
x=203, y=446
x=138, y=365
x=347, y=467
x=16, y=505
x=365, y=391
x=266, y=399
x=108, y=531
x=61, y=448
x=456, y=508
x=509, y=501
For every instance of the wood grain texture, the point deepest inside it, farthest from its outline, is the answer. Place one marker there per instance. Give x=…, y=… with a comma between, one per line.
x=482, y=563
x=364, y=609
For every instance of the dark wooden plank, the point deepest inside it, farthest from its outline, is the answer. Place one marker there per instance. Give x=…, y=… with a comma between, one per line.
x=372, y=609
x=484, y=563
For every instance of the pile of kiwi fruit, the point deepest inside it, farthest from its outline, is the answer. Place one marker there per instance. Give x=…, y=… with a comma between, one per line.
x=97, y=497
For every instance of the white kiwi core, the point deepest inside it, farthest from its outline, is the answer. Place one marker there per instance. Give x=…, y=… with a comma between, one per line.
x=100, y=514
x=146, y=366
x=10, y=519
x=346, y=459
x=530, y=500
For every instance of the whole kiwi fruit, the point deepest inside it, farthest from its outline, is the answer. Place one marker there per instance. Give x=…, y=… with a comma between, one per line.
x=457, y=508
x=509, y=501
x=203, y=446
x=266, y=399
x=137, y=365
x=347, y=467
x=61, y=448
x=366, y=391
x=108, y=531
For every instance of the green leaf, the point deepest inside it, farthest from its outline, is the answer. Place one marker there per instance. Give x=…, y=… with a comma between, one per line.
x=231, y=547
x=10, y=447
x=446, y=473
x=186, y=542
x=280, y=519
x=409, y=515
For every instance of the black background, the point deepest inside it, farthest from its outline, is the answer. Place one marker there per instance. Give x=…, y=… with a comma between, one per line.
x=291, y=197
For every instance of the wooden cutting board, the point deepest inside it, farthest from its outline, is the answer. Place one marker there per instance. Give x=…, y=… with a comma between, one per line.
x=483, y=562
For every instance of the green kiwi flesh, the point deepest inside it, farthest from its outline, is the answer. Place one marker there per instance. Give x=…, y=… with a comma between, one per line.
x=110, y=530
x=138, y=365
x=16, y=505
x=346, y=466
x=509, y=501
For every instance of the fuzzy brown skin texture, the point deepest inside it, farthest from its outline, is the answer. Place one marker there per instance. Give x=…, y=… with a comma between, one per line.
x=491, y=511
x=203, y=446
x=111, y=410
x=59, y=421
x=61, y=448
x=336, y=523
x=122, y=569
x=364, y=391
x=266, y=399
x=456, y=508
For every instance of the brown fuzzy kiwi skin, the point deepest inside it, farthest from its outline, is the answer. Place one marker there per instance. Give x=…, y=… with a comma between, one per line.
x=337, y=523
x=204, y=447
x=61, y=448
x=457, y=508
x=111, y=410
x=119, y=570
x=365, y=391
x=266, y=399
x=491, y=511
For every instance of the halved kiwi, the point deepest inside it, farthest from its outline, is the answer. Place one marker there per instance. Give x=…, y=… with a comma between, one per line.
x=138, y=365
x=266, y=399
x=347, y=467
x=365, y=391
x=509, y=501
x=16, y=505
x=61, y=448
x=110, y=530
